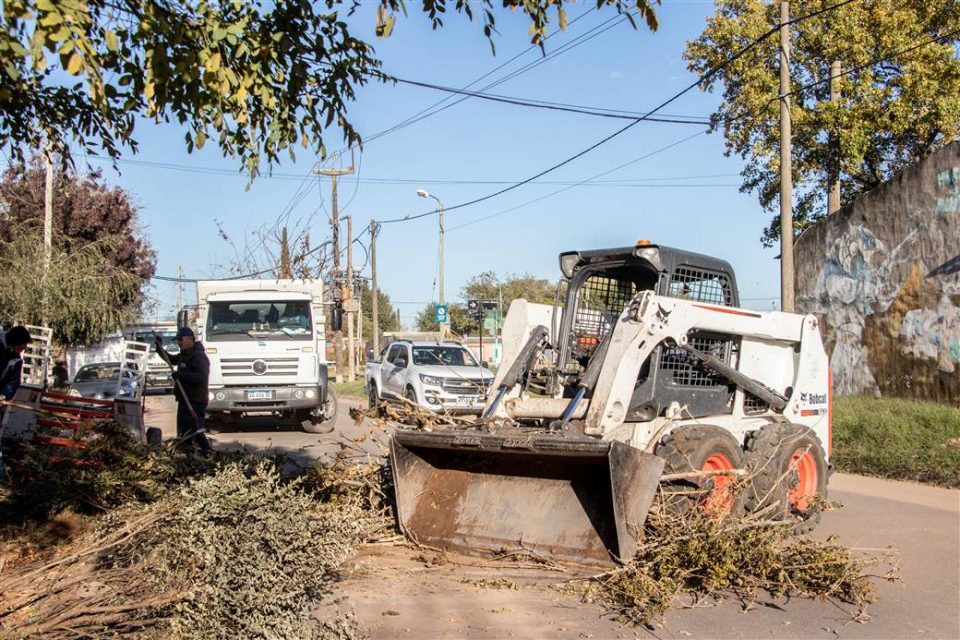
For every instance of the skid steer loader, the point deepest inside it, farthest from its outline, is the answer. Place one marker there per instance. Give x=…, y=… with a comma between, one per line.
x=650, y=373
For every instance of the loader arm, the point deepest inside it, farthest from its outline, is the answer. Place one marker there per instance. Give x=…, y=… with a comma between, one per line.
x=650, y=320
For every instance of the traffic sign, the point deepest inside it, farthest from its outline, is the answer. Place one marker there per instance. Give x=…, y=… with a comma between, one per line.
x=440, y=313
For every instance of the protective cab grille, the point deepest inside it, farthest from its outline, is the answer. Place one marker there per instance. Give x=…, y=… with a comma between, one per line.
x=600, y=302
x=753, y=405
x=245, y=367
x=700, y=285
x=683, y=369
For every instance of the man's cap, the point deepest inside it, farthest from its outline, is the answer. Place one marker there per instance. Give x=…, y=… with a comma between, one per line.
x=17, y=336
x=185, y=332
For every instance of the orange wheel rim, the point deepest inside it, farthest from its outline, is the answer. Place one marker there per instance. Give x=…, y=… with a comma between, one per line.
x=719, y=501
x=805, y=465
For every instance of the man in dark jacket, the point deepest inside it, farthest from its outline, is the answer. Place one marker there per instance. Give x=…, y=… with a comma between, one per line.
x=192, y=372
x=11, y=361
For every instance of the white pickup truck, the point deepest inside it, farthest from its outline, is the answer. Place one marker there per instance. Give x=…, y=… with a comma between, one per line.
x=437, y=376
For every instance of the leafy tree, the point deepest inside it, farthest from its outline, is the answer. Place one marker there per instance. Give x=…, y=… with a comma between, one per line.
x=893, y=109
x=489, y=286
x=80, y=291
x=85, y=211
x=387, y=315
x=257, y=78
x=460, y=322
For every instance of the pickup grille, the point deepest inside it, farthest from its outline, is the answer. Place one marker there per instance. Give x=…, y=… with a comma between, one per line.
x=265, y=367
x=464, y=386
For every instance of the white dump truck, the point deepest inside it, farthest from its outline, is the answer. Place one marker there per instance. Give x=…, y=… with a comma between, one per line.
x=267, y=349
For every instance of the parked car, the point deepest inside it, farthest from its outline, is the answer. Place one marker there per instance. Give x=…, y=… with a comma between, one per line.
x=100, y=380
x=438, y=376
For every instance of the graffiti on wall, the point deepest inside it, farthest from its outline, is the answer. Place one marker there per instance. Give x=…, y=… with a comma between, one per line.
x=933, y=334
x=854, y=281
x=883, y=274
x=948, y=192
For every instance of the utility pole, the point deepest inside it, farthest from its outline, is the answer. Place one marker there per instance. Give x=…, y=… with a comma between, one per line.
x=374, y=293
x=47, y=230
x=833, y=195
x=787, y=289
x=179, y=288
x=337, y=275
x=348, y=296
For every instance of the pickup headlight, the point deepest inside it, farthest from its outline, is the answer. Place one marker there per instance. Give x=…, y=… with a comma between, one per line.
x=432, y=380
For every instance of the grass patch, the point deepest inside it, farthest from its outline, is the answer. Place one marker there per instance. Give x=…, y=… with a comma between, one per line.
x=898, y=439
x=355, y=389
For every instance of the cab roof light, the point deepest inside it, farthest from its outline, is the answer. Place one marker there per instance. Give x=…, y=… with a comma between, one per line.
x=643, y=243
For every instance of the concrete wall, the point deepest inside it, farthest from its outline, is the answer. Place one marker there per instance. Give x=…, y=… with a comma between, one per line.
x=883, y=275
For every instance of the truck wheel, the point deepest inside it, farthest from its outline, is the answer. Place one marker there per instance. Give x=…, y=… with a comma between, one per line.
x=702, y=448
x=789, y=470
x=323, y=423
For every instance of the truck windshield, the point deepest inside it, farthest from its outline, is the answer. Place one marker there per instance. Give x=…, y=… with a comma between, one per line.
x=169, y=339
x=253, y=320
x=451, y=356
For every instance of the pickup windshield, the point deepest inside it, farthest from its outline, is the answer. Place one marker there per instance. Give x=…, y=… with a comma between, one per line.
x=450, y=356
x=275, y=319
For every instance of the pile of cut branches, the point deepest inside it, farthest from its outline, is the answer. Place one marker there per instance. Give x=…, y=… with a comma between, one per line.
x=695, y=552
x=111, y=469
x=239, y=553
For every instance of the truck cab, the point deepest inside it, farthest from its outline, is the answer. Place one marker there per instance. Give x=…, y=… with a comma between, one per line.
x=266, y=344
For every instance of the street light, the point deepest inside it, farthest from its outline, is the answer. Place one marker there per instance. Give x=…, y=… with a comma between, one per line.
x=424, y=194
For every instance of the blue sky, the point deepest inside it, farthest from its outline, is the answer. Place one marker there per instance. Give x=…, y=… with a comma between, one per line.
x=479, y=140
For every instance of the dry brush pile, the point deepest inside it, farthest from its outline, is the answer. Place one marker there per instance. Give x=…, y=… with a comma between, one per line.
x=185, y=546
x=710, y=558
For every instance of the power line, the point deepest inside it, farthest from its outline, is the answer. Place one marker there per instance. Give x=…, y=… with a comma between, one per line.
x=576, y=184
x=706, y=76
x=554, y=106
x=426, y=113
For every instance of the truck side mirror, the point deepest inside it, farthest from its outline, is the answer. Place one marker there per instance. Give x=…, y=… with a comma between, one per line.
x=336, y=318
x=484, y=364
x=183, y=318
x=400, y=363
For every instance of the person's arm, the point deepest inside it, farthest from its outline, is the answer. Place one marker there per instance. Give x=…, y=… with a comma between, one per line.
x=198, y=369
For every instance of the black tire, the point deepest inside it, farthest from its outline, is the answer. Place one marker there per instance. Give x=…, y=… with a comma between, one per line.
x=325, y=422
x=781, y=459
x=154, y=437
x=698, y=448
x=373, y=399
x=411, y=395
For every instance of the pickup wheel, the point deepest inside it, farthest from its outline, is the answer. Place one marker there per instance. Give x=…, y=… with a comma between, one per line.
x=411, y=395
x=324, y=422
x=374, y=400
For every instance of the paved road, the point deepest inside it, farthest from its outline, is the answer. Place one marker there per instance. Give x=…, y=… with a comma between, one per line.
x=397, y=594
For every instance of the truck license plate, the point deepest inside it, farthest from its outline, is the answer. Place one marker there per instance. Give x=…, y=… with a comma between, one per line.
x=466, y=400
x=260, y=394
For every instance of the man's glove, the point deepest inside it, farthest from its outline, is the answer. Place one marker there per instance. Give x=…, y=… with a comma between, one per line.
x=158, y=343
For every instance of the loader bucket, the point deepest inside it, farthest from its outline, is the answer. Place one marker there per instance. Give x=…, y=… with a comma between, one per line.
x=573, y=499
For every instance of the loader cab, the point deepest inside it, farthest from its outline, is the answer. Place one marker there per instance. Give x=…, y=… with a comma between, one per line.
x=601, y=283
